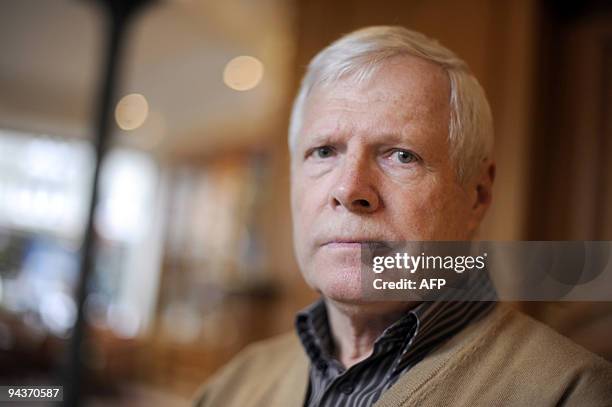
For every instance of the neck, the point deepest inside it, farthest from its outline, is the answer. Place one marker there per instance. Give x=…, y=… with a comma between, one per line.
x=355, y=327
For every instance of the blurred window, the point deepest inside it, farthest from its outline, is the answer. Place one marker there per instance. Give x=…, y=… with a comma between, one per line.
x=44, y=192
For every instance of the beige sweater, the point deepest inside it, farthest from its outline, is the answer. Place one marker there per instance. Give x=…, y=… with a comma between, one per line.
x=504, y=359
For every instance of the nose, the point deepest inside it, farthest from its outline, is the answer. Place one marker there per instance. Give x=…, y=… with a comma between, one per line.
x=354, y=189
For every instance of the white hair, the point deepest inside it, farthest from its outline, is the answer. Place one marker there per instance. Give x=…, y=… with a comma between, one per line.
x=357, y=55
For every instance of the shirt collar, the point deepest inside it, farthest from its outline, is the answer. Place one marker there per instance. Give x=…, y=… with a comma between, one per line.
x=413, y=335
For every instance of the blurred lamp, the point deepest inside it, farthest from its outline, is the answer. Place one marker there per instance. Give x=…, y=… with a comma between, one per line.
x=243, y=73
x=131, y=111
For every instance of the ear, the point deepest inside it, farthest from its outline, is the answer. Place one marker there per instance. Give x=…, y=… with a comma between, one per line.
x=482, y=191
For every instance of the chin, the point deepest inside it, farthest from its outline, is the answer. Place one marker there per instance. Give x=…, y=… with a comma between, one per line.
x=343, y=294
x=335, y=273
x=341, y=285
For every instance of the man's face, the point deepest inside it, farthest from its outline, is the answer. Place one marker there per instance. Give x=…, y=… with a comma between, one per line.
x=372, y=164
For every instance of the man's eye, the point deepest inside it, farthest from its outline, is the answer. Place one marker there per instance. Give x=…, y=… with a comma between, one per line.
x=323, y=152
x=405, y=157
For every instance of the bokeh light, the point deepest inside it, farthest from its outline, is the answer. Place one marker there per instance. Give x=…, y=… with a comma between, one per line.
x=243, y=73
x=131, y=111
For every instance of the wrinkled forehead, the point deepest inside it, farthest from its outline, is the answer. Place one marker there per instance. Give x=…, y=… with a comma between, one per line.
x=404, y=91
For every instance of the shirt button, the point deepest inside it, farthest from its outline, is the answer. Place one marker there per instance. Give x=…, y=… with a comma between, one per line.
x=347, y=388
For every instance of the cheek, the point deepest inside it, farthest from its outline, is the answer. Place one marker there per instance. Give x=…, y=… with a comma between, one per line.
x=432, y=212
x=449, y=215
x=308, y=196
x=306, y=203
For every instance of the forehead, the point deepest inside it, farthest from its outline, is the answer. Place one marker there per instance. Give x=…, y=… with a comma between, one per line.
x=402, y=91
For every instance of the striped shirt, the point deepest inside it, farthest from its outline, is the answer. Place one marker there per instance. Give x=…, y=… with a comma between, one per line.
x=399, y=348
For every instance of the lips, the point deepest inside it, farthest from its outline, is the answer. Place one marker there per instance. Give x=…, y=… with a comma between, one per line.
x=353, y=242
x=370, y=245
x=348, y=244
x=350, y=240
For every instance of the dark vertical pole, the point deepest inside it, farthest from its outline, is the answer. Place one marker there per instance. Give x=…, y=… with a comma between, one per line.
x=117, y=16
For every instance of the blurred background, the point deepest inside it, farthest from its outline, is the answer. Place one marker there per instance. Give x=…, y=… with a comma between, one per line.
x=193, y=253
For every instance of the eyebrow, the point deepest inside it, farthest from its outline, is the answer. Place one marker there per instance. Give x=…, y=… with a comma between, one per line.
x=327, y=138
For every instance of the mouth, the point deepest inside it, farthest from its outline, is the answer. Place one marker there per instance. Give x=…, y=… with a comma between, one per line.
x=349, y=243
x=371, y=245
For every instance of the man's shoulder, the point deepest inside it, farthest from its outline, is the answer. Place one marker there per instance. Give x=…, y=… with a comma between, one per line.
x=528, y=338
x=276, y=352
x=507, y=358
x=255, y=372
x=523, y=353
x=285, y=344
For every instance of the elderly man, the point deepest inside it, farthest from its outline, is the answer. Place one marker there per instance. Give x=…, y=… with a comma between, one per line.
x=391, y=140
